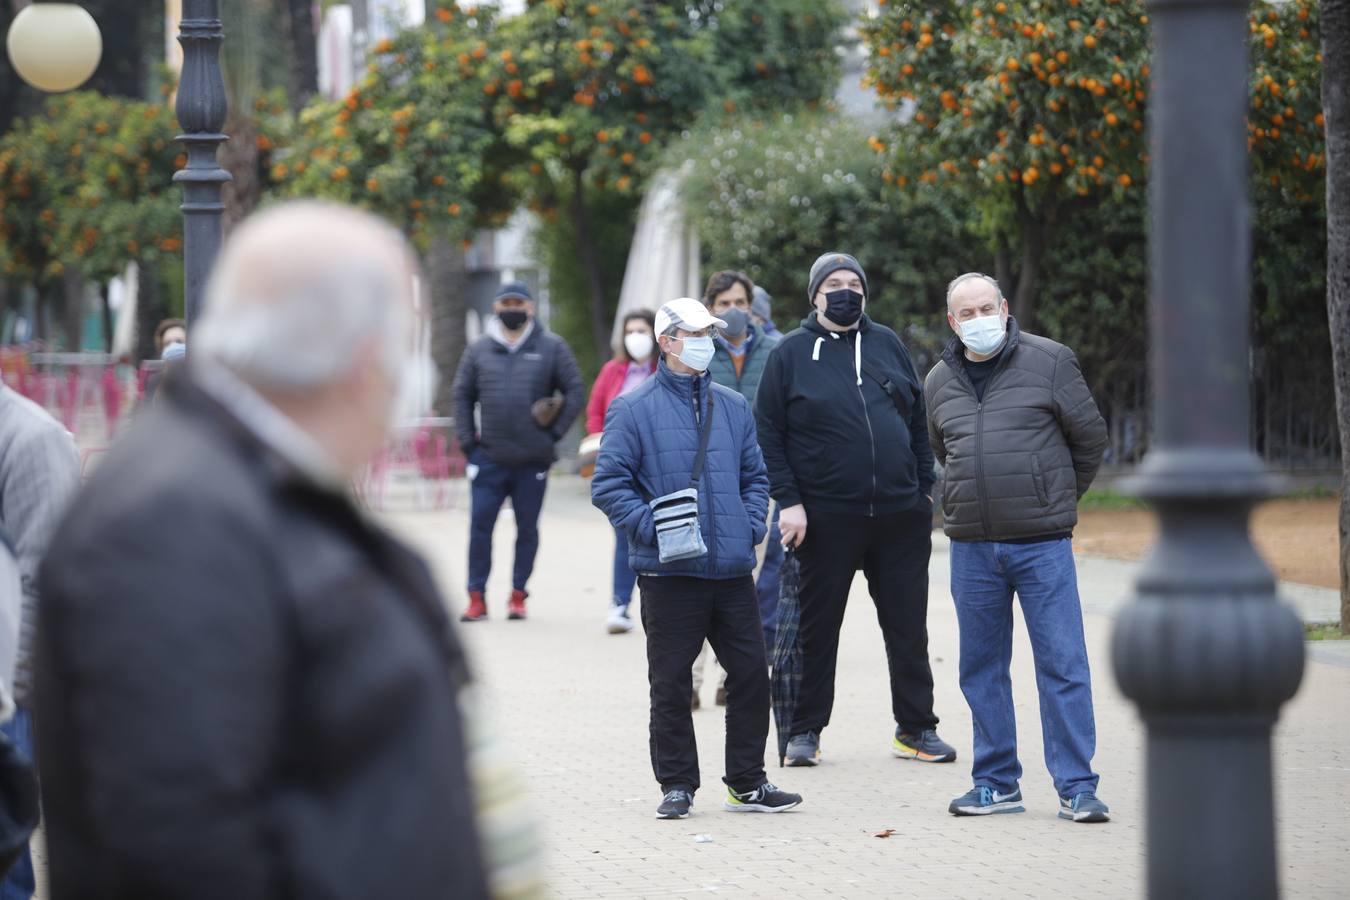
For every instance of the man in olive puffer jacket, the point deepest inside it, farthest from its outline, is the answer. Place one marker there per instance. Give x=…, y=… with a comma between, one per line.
x=1012, y=420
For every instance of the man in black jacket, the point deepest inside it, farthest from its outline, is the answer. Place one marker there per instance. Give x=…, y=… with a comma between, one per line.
x=844, y=434
x=1012, y=419
x=526, y=388
x=244, y=687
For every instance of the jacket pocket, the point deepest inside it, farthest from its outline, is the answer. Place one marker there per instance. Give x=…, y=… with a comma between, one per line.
x=1041, y=495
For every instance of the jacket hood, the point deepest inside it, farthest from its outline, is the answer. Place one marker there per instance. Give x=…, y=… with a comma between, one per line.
x=812, y=324
x=683, y=385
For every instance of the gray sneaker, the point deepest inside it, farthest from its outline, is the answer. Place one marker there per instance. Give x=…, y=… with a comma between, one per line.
x=1084, y=807
x=925, y=746
x=804, y=749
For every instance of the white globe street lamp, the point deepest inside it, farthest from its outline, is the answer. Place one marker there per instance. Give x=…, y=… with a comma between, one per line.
x=54, y=47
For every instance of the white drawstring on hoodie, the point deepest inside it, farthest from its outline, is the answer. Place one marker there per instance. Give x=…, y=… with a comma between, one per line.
x=857, y=353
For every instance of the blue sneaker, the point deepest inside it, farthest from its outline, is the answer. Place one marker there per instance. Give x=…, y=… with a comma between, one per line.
x=925, y=746
x=1084, y=807
x=985, y=801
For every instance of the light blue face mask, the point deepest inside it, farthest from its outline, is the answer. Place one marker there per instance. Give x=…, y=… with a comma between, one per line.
x=984, y=335
x=697, y=353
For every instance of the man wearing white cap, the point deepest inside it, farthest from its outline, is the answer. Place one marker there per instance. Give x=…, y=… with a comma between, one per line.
x=681, y=472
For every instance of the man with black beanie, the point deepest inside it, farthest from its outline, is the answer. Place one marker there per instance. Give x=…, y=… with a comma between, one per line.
x=844, y=432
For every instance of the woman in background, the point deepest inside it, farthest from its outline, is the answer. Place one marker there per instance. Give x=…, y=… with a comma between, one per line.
x=634, y=364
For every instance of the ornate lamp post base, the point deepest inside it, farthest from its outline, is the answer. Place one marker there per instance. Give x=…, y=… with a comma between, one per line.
x=1205, y=649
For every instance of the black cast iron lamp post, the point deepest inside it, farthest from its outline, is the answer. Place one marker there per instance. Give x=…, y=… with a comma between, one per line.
x=1205, y=649
x=201, y=112
x=55, y=47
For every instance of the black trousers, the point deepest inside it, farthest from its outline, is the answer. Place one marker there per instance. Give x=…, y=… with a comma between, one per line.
x=678, y=614
x=893, y=551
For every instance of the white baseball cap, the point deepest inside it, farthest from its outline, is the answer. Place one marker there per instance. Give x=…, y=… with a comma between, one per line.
x=685, y=313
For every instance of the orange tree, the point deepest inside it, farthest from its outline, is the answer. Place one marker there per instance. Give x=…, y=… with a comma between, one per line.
x=86, y=186
x=1024, y=110
x=415, y=140
x=590, y=91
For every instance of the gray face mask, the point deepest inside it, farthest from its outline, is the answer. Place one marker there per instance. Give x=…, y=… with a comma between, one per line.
x=737, y=322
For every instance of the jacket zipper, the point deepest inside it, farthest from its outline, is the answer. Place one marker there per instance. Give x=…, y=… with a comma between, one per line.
x=712, y=517
x=979, y=440
x=871, y=442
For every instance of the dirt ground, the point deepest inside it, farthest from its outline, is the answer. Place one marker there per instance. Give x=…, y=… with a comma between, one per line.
x=1297, y=537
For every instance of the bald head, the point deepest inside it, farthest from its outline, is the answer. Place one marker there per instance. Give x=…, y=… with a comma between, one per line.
x=301, y=290
x=972, y=287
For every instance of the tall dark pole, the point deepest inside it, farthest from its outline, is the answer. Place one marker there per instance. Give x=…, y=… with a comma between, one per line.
x=201, y=113
x=1205, y=649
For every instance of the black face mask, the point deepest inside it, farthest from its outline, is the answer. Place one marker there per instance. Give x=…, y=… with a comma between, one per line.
x=843, y=308
x=513, y=319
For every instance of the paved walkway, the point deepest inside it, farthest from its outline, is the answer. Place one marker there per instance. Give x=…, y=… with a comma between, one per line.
x=572, y=702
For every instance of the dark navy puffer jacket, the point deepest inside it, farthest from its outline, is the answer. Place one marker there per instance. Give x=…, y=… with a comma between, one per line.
x=651, y=440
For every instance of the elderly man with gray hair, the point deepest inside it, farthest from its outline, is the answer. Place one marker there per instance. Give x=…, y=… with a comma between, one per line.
x=1013, y=422
x=245, y=687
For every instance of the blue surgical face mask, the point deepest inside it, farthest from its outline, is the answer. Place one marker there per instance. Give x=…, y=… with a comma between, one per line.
x=697, y=353
x=984, y=335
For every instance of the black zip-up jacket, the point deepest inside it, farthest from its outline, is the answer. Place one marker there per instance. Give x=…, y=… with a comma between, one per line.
x=832, y=437
x=503, y=385
x=1018, y=460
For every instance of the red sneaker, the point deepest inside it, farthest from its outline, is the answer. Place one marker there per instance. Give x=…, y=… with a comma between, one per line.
x=515, y=609
x=476, y=611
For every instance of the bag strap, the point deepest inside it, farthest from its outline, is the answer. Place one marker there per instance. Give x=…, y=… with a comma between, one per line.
x=703, y=439
x=886, y=385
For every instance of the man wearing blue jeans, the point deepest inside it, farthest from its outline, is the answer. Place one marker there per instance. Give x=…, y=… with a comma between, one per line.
x=1013, y=423
x=517, y=391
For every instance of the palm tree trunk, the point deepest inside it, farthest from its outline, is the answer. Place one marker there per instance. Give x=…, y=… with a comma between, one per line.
x=448, y=286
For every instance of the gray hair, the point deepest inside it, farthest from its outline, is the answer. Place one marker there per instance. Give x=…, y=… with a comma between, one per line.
x=299, y=290
x=969, y=276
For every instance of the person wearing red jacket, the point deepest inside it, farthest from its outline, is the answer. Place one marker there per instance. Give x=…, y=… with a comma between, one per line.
x=633, y=365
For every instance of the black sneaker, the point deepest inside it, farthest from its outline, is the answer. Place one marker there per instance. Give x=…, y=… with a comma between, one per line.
x=765, y=798
x=675, y=805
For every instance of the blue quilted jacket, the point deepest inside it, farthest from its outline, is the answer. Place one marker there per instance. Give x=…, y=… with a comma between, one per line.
x=651, y=439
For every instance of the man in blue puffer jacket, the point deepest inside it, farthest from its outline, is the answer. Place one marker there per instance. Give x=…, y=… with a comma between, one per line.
x=650, y=450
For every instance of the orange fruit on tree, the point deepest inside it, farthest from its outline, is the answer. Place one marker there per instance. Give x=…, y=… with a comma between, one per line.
x=1089, y=41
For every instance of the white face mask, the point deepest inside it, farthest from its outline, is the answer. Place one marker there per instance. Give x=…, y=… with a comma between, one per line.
x=984, y=335
x=639, y=344
x=698, y=353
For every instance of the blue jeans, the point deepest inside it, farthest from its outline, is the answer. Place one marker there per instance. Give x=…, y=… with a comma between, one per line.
x=525, y=485
x=984, y=578
x=20, y=883
x=624, y=577
x=767, y=585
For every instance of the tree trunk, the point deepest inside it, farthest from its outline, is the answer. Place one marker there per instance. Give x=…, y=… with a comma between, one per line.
x=304, y=47
x=590, y=263
x=1033, y=235
x=239, y=157
x=105, y=307
x=72, y=308
x=360, y=37
x=150, y=309
x=1336, y=110
x=448, y=289
x=1003, y=269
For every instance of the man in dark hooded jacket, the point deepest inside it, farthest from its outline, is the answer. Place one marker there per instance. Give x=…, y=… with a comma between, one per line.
x=845, y=439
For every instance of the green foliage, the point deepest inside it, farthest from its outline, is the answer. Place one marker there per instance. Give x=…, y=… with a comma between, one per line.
x=88, y=184
x=769, y=196
x=555, y=245
x=1022, y=106
x=414, y=141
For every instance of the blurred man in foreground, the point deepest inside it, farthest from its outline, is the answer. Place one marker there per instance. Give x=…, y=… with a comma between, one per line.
x=246, y=689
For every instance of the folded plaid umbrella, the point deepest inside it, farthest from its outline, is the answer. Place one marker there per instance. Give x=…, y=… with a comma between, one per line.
x=786, y=680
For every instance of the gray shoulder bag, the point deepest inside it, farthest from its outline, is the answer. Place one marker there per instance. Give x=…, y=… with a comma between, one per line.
x=678, y=535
